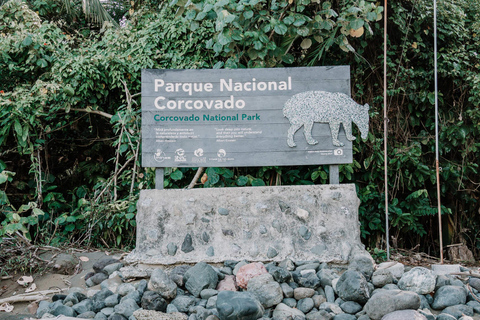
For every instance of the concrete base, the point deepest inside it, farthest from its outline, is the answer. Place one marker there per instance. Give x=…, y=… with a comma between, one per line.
x=254, y=223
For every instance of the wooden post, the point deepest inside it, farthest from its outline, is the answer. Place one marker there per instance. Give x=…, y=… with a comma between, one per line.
x=159, y=172
x=334, y=175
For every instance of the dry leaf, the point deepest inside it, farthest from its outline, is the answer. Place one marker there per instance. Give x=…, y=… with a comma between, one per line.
x=33, y=287
x=84, y=259
x=204, y=178
x=357, y=32
x=7, y=307
x=414, y=45
x=25, y=280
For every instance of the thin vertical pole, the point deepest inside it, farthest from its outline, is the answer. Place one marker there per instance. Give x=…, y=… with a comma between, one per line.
x=437, y=166
x=385, y=124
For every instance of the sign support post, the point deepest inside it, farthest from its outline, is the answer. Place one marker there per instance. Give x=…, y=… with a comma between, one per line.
x=334, y=176
x=159, y=173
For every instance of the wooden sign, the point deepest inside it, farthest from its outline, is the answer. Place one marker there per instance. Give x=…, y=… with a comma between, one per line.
x=248, y=117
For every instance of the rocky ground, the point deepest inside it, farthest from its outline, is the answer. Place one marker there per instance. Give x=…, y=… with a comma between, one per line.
x=104, y=287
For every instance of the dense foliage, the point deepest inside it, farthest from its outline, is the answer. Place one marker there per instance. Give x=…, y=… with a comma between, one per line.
x=69, y=109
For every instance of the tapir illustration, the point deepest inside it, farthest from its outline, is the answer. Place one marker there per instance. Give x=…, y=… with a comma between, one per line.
x=334, y=108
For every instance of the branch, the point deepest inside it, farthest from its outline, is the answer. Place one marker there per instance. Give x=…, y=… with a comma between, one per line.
x=33, y=296
x=101, y=113
x=195, y=179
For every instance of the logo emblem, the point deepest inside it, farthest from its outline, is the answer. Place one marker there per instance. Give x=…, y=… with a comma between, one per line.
x=338, y=152
x=180, y=155
x=198, y=152
x=221, y=153
x=159, y=156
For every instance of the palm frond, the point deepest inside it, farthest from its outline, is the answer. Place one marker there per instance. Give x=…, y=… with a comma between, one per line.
x=96, y=13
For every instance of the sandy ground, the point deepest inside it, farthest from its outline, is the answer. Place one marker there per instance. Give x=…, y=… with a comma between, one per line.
x=48, y=281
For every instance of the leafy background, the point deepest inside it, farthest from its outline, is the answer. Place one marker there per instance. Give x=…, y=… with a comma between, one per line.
x=70, y=108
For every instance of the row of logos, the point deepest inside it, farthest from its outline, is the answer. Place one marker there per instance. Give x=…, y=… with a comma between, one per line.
x=180, y=155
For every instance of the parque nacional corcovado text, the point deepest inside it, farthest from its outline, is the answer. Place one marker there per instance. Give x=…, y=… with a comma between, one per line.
x=224, y=85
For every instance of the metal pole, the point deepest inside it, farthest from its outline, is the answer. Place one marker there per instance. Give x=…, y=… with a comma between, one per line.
x=437, y=167
x=385, y=123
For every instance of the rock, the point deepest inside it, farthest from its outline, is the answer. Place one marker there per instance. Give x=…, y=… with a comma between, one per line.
x=187, y=245
x=199, y=277
x=351, y=307
x=107, y=311
x=284, y=312
x=98, y=299
x=238, y=266
x=404, y=315
x=419, y=280
x=111, y=284
x=99, y=265
x=320, y=315
x=305, y=305
x=87, y=315
x=249, y=271
x=287, y=290
x=292, y=303
x=63, y=310
x=475, y=305
x=309, y=281
x=126, y=308
x=135, y=295
x=177, y=274
x=311, y=265
x=183, y=303
x=232, y=305
x=83, y=306
x=445, y=316
x=116, y=316
x=171, y=308
x=459, y=310
x=97, y=278
x=142, y=286
x=301, y=293
x=396, y=268
x=474, y=283
x=352, y=286
x=156, y=315
x=111, y=268
x=382, y=277
x=318, y=300
x=227, y=284
x=65, y=263
x=387, y=301
x=465, y=318
x=326, y=276
x=172, y=248
x=152, y=300
x=100, y=316
x=56, y=297
x=161, y=283
x=280, y=274
x=131, y=272
x=362, y=263
x=329, y=293
x=287, y=264
x=331, y=307
x=212, y=302
x=43, y=307
x=447, y=296
x=207, y=293
x=344, y=316
x=74, y=297
x=267, y=291
x=125, y=288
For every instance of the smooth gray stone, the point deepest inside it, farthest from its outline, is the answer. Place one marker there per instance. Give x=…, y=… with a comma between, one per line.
x=459, y=310
x=100, y=316
x=307, y=266
x=74, y=297
x=351, y=307
x=387, y=301
x=97, y=278
x=326, y=276
x=107, y=311
x=126, y=308
x=113, y=300
x=475, y=305
x=100, y=264
x=83, y=306
x=212, y=302
x=111, y=268
x=382, y=277
x=63, y=310
x=287, y=290
x=445, y=316
x=116, y=316
x=142, y=286
x=135, y=295
x=331, y=307
x=309, y=281
x=420, y=280
x=287, y=264
x=424, y=304
x=87, y=315
x=305, y=305
x=171, y=308
x=152, y=300
x=447, y=296
x=199, y=277
x=267, y=291
x=187, y=245
x=208, y=293
x=329, y=293
x=404, y=315
x=474, y=283
x=178, y=273
x=319, y=315
x=352, y=286
x=226, y=270
x=283, y=312
x=362, y=263
x=183, y=303
x=345, y=316
x=125, y=288
x=43, y=307
x=290, y=302
x=233, y=305
x=161, y=283
x=280, y=274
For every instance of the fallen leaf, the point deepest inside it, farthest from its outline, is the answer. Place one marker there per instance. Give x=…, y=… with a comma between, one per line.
x=414, y=45
x=33, y=287
x=25, y=280
x=357, y=32
x=84, y=259
x=204, y=178
x=7, y=307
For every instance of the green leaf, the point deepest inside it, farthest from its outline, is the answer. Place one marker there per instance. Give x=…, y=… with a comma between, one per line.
x=288, y=58
x=281, y=29
x=176, y=175
x=68, y=89
x=258, y=182
x=356, y=24
x=248, y=14
x=372, y=16
x=70, y=227
x=27, y=41
x=18, y=129
x=3, y=177
x=42, y=63
x=241, y=181
x=38, y=212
